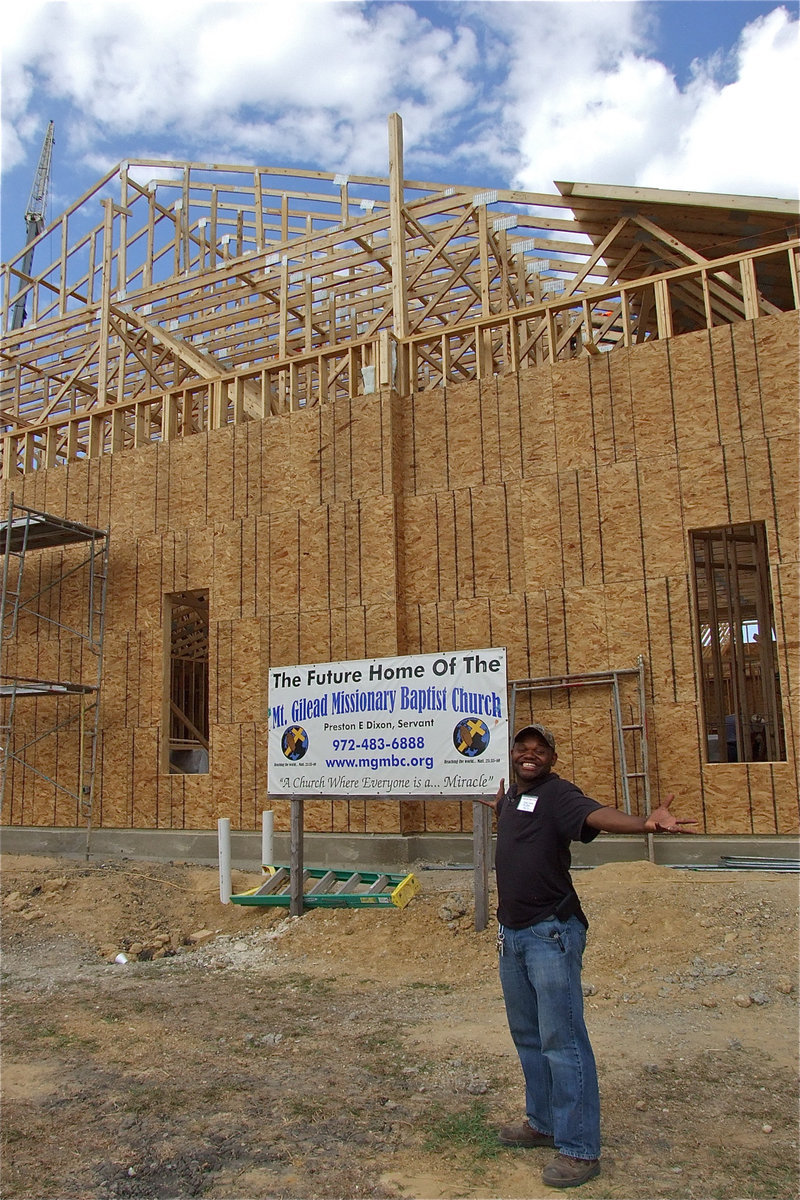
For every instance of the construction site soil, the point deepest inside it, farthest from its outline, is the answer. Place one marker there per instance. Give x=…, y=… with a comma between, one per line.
x=241, y=1053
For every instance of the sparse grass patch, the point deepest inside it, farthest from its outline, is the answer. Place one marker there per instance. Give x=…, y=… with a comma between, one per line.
x=304, y=1109
x=463, y=1131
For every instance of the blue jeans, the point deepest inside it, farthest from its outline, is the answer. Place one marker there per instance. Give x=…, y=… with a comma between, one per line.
x=540, y=971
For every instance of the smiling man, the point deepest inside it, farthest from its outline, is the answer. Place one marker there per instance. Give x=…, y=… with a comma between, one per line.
x=541, y=939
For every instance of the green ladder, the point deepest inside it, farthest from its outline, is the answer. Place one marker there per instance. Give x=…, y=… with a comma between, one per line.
x=334, y=889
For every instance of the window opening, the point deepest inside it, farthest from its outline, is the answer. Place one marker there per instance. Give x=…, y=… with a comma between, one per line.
x=738, y=651
x=187, y=717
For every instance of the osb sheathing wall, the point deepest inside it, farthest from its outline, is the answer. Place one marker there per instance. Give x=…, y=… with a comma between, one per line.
x=546, y=512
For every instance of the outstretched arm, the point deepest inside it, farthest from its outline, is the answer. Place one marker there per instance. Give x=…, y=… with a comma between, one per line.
x=661, y=820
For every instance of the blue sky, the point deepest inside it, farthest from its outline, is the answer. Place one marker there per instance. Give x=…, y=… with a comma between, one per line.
x=689, y=94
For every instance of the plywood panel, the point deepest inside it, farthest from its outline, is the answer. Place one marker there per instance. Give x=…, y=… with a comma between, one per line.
x=726, y=798
x=378, y=539
x=318, y=816
x=494, y=415
x=356, y=632
x=591, y=748
x=247, y=678
x=225, y=759
x=123, y=517
x=693, y=400
x=284, y=642
x=572, y=415
x=338, y=634
x=343, y=451
x=704, y=497
x=675, y=764
x=783, y=460
x=352, y=554
x=507, y=629
x=429, y=442
x=315, y=637
x=188, y=483
x=442, y=816
x=304, y=459
x=338, y=551
x=367, y=447
x=114, y=784
x=249, y=557
x=144, y=778
x=220, y=476
x=776, y=342
x=446, y=634
x=113, y=710
x=144, y=706
x=314, y=561
x=420, y=558
x=726, y=394
x=276, y=480
x=148, y=582
x=284, y=562
x=619, y=366
x=569, y=512
x=463, y=432
x=427, y=623
x=380, y=627
x=542, y=532
x=762, y=798
x=240, y=451
x=626, y=628
x=751, y=417
x=587, y=639
x=601, y=405
x=200, y=561
x=537, y=423
x=472, y=624
x=99, y=492
x=663, y=532
x=327, y=454
x=77, y=508
x=54, y=499
x=736, y=482
x=227, y=549
x=654, y=427
x=383, y=816
x=787, y=796
x=620, y=520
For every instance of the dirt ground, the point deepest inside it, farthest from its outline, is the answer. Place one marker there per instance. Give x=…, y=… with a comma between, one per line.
x=240, y=1053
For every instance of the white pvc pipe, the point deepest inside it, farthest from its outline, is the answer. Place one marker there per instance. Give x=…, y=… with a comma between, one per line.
x=224, y=842
x=267, y=826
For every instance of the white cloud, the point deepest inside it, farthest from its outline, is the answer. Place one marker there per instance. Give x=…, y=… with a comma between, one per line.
x=527, y=92
x=741, y=136
x=302, y=79
x=599, y=108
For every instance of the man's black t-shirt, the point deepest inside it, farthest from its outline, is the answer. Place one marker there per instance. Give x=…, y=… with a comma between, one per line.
x=532, y=860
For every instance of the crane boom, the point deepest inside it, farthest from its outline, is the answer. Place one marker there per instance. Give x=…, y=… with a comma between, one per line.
x=34, y=218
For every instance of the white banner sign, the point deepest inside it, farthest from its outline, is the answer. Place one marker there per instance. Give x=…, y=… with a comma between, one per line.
x=426, y=724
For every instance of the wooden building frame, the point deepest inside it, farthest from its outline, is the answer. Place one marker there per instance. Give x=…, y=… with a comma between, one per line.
x=214, y=295
x=323, y=417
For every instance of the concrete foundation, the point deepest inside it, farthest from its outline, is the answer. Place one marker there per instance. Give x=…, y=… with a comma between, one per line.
x=370, y=852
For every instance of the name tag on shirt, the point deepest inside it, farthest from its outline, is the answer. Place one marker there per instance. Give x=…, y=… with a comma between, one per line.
x=527, y=803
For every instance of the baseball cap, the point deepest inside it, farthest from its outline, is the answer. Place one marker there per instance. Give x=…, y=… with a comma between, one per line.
x=540, y=731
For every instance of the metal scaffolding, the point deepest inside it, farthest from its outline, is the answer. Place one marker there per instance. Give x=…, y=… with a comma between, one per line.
x=24, y=533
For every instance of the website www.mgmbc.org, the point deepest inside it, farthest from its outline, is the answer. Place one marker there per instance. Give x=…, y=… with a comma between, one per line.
x=377, y=764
